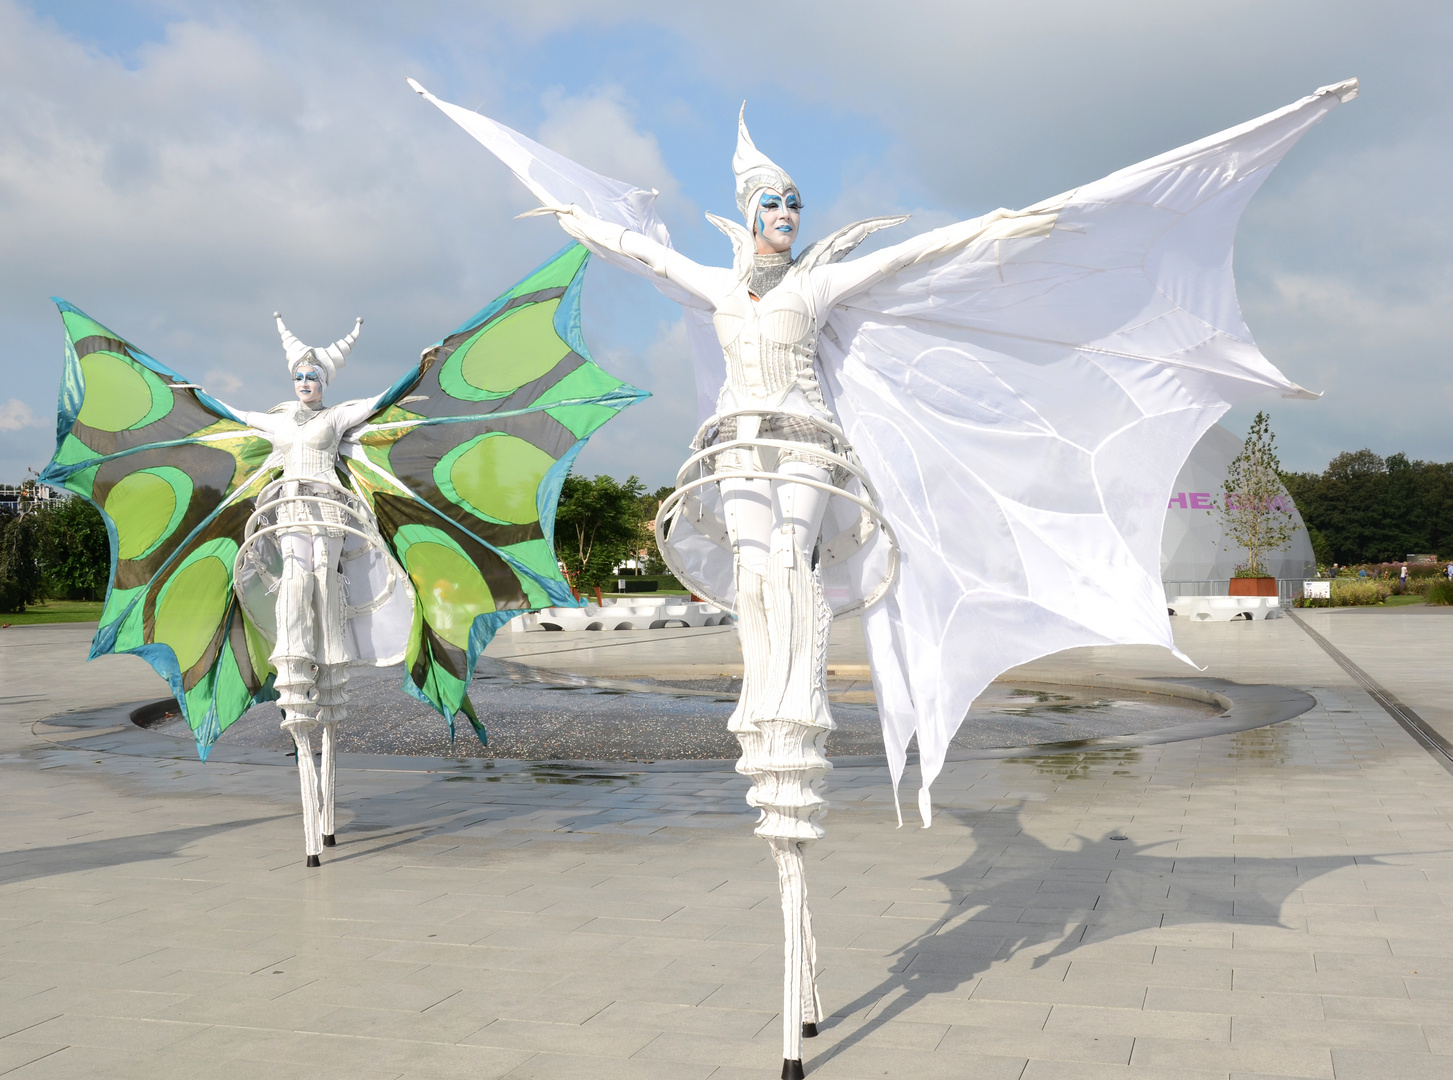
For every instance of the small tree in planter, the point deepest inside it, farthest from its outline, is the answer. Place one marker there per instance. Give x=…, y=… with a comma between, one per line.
x=1255, y=510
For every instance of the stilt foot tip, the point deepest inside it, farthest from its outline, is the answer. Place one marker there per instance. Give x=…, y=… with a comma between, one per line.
x=792, y=1069
x=809, y=1031
x=329, y=840
x=313, y=861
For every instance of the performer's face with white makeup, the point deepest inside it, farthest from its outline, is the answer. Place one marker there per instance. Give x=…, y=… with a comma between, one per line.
x=308, y=385
x=777, y=219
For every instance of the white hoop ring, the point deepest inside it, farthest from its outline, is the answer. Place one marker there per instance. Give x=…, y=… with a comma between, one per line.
x=672, y=504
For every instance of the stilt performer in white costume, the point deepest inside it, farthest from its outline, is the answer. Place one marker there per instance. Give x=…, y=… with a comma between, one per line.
x=308, y=514
x=255, y=556
x=970, y=437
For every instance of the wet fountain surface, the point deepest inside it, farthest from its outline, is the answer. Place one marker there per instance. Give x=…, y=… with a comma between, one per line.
x=541, y=715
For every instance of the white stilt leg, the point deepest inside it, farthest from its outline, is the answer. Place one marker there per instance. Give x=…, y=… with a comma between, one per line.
x=799, y=1006
x=332, y=654
x=782, y=724
x=325, y=806
x=296, y=680
x=302, y=733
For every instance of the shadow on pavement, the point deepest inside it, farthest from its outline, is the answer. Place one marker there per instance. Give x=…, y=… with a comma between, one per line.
x=1023, y=895
x=26, y=864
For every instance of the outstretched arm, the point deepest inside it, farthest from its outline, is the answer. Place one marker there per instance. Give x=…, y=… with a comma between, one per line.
x=706, y=283
x=838, y=281
x=352, y=413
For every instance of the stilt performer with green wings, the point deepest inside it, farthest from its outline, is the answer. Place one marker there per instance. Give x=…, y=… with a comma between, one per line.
x=257, y=556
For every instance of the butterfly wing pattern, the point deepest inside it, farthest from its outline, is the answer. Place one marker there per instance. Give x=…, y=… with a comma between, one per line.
x=172, y=471
x=463, y=464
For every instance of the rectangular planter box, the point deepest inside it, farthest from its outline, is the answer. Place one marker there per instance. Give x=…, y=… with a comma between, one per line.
x=1253, y=586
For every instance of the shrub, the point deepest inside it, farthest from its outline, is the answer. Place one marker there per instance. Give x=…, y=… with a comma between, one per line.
x=1352, y=592
x=1439, y=592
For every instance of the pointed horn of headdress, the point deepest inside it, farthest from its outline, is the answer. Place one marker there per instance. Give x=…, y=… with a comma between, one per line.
x=327, y=360
x=337, y=353
x=294, y=349
x=754, y=170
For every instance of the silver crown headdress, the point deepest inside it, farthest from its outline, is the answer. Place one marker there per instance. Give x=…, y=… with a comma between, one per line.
x=755, y=171
x=328, y=360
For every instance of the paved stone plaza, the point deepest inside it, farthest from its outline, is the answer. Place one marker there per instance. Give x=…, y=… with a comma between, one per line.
x=1279, y=905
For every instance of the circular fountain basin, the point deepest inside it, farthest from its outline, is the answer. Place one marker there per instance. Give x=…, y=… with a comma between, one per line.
x=537, y=715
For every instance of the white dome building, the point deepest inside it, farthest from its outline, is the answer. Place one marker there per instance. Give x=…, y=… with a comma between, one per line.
x=1196, y=558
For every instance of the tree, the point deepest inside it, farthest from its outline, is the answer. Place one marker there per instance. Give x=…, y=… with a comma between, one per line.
x=20, y=576
x=650, y=555
x=1368, y=509
x=1254, y=510
x=597, y=527
x=75, y=553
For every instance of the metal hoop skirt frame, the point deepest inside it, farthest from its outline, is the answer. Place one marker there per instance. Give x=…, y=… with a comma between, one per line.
x=271, y=499
x=672, y=505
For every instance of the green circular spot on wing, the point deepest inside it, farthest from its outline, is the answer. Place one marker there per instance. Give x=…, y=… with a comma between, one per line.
x=142, y=506
x=117, y=395
x=191, y=607
x=499, y=476
x=450, y=588
x=516, y=350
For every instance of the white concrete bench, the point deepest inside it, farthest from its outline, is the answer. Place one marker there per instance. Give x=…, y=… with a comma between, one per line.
x=1225, y=608
x=625, y=613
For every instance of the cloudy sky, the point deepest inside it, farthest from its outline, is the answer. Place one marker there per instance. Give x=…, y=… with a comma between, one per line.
x=179, y=170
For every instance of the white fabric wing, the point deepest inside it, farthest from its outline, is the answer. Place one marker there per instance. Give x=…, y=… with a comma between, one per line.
x=1022, y=402
x=557, y=181
x=1024, y=405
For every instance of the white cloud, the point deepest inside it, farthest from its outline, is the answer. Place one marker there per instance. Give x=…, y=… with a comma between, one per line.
x=599, y=131
x=16, y=415
x=651, y=438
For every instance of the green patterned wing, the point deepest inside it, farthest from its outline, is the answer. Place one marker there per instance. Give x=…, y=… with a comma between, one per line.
x=172, y=471
x=463, y=466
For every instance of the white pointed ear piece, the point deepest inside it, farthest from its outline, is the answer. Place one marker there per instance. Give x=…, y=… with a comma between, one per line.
x=416, y=88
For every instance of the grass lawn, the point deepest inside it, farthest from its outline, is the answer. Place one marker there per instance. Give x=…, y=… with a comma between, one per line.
x=1402, y=601
x=56, y=611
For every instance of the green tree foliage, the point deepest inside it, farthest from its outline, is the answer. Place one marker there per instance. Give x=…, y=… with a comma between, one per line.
x=20, y=571
x=1253, y=510
x=1368, y=509
x=647, y=552
x=75, y=554
x=597, y=527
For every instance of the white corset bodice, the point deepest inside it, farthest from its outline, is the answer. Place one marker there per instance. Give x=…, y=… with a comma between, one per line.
x=769, y=344
x=309, y=449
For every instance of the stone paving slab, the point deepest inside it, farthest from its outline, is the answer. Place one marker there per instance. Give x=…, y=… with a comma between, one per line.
x=1280, y=905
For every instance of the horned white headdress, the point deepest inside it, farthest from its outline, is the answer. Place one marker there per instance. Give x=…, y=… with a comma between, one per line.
x=327, y=360
x=755, y=171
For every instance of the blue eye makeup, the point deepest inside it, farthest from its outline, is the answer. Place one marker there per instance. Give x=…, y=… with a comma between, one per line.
x=306, y=376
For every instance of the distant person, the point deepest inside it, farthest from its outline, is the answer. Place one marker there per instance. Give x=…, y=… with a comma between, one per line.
x=1403, y=578
x=1449, y=571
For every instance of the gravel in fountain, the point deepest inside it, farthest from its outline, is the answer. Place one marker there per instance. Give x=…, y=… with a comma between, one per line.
x=539, y=715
